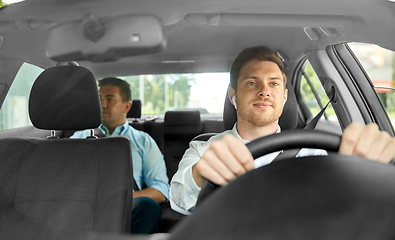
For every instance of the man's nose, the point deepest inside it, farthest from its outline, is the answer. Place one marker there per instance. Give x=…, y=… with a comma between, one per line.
x=264, y=91
x=103, y=103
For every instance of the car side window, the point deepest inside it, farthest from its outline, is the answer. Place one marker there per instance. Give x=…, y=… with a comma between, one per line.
x=313, y=95
x=14, y=111
x=379, y=64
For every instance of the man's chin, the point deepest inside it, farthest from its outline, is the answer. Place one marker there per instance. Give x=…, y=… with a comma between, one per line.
x=263, y=122
x=104, y=122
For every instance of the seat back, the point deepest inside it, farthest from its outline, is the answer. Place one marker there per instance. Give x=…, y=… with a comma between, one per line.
x=179, y=129
x=52, y=186
x=135, y=110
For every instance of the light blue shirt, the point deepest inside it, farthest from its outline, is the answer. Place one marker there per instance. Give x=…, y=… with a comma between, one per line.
x=148, y=163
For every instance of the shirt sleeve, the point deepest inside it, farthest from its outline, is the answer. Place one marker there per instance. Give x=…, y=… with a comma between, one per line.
x=154, y=167
x=183, y=189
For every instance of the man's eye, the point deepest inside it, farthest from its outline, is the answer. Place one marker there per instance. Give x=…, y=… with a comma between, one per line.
x=251, y=84
x=275, y=84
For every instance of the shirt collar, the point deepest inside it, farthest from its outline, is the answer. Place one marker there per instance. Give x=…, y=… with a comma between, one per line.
x=235, y=133
x=121, y=130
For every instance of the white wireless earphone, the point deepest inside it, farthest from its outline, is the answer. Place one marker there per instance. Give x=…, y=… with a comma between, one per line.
x=234, y=101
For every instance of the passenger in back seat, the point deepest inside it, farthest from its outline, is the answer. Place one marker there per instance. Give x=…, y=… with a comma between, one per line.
x=148, y=164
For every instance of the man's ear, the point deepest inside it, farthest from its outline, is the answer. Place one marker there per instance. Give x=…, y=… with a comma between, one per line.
x=285, y=96
x=128, y=105
x=231, y=94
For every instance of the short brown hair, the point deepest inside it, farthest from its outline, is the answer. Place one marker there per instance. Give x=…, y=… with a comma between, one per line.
x=258, y=53
x=125, y=92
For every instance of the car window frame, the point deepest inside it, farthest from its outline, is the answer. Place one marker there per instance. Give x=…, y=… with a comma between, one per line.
x=363, y=90
x=305, y=114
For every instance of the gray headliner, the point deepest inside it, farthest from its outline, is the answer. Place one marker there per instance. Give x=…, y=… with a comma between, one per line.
x=279, y=24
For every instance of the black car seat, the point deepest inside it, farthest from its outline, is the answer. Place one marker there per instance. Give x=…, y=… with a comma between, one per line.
x=55, y=185
x=179, y=129
x=135, y=110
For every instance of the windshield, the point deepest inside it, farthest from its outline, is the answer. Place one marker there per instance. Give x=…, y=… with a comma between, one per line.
x=160, y=93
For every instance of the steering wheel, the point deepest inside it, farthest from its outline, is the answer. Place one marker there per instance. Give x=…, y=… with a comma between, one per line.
x=314, y=197
x=282, y=141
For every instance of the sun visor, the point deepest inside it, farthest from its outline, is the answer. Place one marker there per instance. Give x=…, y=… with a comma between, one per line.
x=105, y=39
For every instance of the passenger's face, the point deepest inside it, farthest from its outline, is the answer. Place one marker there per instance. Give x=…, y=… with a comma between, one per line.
x=114, y=110
x=260, y=93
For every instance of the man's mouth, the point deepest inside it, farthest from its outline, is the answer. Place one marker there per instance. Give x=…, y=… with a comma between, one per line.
x=263, y=105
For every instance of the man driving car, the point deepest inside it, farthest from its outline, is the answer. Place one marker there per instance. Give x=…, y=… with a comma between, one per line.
x=258, y=92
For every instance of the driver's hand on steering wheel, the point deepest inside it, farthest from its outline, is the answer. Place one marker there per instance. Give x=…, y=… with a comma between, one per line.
x=223, y=161
x=367, y=141
x=229, y=157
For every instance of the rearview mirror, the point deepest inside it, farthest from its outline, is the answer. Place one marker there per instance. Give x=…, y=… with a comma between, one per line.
x=105, y=39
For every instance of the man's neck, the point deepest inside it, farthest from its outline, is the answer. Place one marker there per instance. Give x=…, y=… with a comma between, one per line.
x=250, y=132
x=112, y=128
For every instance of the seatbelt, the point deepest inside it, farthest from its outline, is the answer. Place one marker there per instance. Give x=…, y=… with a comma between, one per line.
x=99, y=133
x=310, y=126
x=313, y=123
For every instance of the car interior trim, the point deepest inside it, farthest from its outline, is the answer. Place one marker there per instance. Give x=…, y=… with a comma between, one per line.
x=365, y=89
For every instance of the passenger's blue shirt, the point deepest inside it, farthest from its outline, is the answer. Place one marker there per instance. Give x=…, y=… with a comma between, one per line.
x=148, y=163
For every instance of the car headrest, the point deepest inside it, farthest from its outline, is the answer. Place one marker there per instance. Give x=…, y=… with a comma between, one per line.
x=135, y=110
x=288, y=119
x=183, y=122
x=65, y=98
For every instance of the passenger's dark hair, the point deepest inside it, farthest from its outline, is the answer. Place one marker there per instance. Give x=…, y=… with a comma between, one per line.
x=125, y=92
x=259, y=53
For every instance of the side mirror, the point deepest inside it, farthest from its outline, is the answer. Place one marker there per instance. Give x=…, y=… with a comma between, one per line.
x=105, y=39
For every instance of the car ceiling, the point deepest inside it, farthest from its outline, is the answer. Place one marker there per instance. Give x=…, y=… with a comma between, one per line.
x=204, y=35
